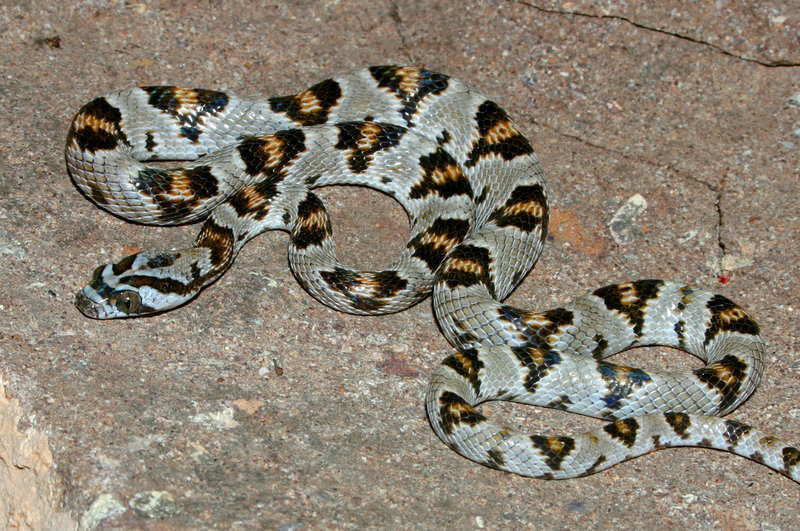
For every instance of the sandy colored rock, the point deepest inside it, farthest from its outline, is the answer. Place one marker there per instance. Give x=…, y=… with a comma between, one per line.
x=29, y=487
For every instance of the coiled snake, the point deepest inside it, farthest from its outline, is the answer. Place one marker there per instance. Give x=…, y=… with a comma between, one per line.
x=476, y=198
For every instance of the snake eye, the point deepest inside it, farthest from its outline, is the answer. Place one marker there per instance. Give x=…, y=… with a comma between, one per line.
x=128, y=302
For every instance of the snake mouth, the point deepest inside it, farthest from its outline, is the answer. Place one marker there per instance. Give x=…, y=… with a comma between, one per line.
x=87, y=306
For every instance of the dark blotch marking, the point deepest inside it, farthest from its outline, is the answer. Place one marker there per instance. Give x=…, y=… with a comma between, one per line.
x=555, y=449
x=621, y=382
x=312, y=179
x=153, y=182
x=468, y=365
x=97, y=196
x=164, y=186
x=466, y=338
x=149, y=142
x=162, y=285
x=537, y=361
x=442, y=176
x=482, y=196
x=454, y=276
x=162, y=260
x=201, y=182
x=679, y=422
x=195, y=269
x=624, y=431
x=642, y=292
x=525, y=322
x=735, y=431
x=254, y=151
x=595, y=466
x=325, y=93
x=453, y=410
x=307, y=230
x=170, y=285
x=679, y=333
x=206, y=102
x=432, y=245
x=255, y=200
x=94, y=139
x=517, y=211
x=354, y=285
x=562, y=403
x=219, y=241
x=165, y=98
x=725, y=376
x=123, y=265
x=600, y=347
x=726, y=316
x=514, y=315
x=496, y=459
x=395, y=78
x=558, y=317
x=352, y=135
x=489, y=116
x=791, y=458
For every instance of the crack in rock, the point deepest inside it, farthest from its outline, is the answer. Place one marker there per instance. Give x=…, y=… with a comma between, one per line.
x=770, y=64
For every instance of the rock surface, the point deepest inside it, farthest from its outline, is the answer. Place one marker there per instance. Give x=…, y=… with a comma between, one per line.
x=255, y=406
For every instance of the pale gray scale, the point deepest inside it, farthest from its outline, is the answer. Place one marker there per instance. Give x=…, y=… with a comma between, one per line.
x=117, y=171
x=310, y=265
x=121, y=174
x=578, y=377
x=473, y=309
x=503, y=177
x=520, y=250
x=453, y=110
x=661, y=318
x=144, y=124
x=513, y=252
x=362, y=98
x=470, y=318
x=678, y=391
x=750, y=350
x=663, y=313
x=697, y=317
x=591, y=318
x=391, y=171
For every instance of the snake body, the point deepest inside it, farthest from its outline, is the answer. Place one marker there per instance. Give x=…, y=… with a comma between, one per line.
x=476, y=198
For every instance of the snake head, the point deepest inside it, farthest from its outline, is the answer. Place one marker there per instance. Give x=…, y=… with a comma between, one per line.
x=140, y=284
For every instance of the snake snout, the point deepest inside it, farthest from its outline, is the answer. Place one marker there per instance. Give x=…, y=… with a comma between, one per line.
x=86, y=305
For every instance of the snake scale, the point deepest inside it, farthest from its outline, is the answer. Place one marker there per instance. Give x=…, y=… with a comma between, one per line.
x=476, y=198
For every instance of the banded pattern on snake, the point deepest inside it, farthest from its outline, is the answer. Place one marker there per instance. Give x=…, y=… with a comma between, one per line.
x=476, y=198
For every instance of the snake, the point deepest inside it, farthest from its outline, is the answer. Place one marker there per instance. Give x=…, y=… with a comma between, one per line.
x=478, y=208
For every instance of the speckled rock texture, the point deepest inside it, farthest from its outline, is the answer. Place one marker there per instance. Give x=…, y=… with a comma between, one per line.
x=671, y=138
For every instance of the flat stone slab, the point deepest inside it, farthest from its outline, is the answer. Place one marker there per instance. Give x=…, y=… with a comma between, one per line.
x=671, y=139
